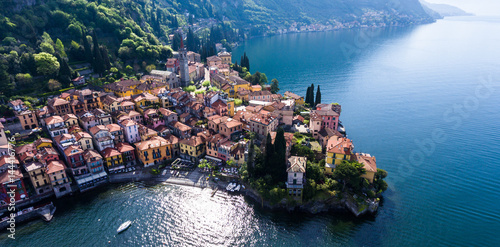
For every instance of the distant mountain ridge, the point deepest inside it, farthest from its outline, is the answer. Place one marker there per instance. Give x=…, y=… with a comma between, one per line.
x=442, y=10
x=309, y=11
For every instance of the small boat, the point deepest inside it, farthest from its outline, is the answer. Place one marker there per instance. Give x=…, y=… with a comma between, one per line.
x=237, y=188
x=124, y=226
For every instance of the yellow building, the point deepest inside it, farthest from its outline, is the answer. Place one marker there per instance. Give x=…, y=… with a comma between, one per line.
x=110, y=103
x=58, y=178
x=230, y=107
x=144, y=101
x=192, y=148
x=369, y=163
x=338, y=149
x=153, y=151
x=256, y=88
x=112, y=157
x=225, y=57
x=122, y=88
x=42, y=143
x=299, y=100
x=38, y=177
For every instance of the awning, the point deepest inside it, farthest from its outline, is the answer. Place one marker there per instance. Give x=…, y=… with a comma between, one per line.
x=212, y=158
x=91, y=178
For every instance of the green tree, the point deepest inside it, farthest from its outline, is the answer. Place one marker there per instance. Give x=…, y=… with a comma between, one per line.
x=23, y=79
x=99, y=66
x=60, y=48
x=274, y=86
x=206, y=83
x=46, y=64
x=349, y=173
x=54, y=85
x=318, y=97
x=311, y=96
x=308, y=95
x=279, y=173
x=47, y=47
x=87, y=48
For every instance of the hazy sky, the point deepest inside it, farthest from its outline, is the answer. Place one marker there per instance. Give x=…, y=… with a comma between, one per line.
x=478, y=7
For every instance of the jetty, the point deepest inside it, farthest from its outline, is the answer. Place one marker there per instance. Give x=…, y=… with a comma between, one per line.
x=45, y=212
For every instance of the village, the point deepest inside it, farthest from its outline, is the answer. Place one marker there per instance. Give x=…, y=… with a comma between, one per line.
x=87, y=137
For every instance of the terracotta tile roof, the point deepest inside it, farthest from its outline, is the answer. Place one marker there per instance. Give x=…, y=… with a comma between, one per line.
x=128, y=122
x=264, y=119
x=110, y=152
x=232, y=124
x=58, y=102
x=69, y=116
x=173, y=139
x=109, y=100
x=88, y=154
x=72, y=150
x=124, y=147
x=94, y=130
x=180, y=126
x=6, y=177
x=219, y=104
x=193, y=141
x=55, y=166
x=7, y=159
x=166, y=112
x=113, y=127
x=150, y=111
x=154, y=142
x=297, y=164
x=292, y=95
x=82, y=134
x=214, y=59
x=25, y=148
x=339, y=145
x=74, y=128
x=369, y=162
x=54, y=120
x=327, y=132
x=126, y=103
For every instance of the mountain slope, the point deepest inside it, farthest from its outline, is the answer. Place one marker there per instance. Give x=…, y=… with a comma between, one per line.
x=311, y=11
x=444, y=9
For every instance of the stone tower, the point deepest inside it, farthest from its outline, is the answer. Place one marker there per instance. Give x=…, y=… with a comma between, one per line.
x=183, y=65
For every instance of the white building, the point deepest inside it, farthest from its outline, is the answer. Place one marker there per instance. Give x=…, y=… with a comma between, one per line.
x=131, y=131
x=296, y=171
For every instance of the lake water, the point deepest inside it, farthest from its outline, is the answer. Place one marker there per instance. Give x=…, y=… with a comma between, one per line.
x=424, y=100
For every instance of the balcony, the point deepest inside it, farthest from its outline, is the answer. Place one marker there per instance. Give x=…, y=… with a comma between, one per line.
x=294, y=186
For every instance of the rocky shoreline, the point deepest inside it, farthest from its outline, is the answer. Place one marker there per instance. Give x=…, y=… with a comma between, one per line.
x=347, y=204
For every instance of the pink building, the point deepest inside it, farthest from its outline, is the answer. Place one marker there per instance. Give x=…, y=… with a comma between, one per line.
x=152, y=118
x=329, y=115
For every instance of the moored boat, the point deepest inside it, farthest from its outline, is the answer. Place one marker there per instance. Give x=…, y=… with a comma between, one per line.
x=124, y=226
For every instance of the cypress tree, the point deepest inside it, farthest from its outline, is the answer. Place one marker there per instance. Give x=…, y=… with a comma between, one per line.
x=105, y=57
x=250, y=163
x=279, y=173
x=98, y=60
x=318, y=97
x=308, y=95
x=269, y=157
x=86, y=46
x=311, y=97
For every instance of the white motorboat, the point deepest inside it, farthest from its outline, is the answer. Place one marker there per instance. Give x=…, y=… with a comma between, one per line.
x=124, y=226
x=237, y=188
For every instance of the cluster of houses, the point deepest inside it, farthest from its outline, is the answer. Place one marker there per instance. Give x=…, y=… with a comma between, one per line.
x=140, y=123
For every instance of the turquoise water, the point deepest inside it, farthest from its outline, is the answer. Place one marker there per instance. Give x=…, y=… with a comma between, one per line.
x=436, y=84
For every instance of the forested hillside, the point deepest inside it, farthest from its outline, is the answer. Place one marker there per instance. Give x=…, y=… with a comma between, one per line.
x=43, y=39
